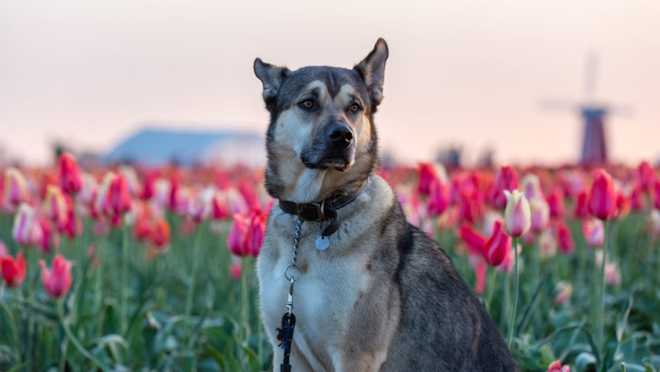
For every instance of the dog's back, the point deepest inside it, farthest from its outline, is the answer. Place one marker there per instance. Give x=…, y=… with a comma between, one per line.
x=442, y=325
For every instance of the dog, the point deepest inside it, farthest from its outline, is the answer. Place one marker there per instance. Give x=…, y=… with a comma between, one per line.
x=378, y=294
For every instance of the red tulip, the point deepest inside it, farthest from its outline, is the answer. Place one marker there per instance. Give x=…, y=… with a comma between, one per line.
x=556, y=203
x=602, y=197
x=622, y=205
x=645, y=176
x=506, y=179
x=13, y=270
x=469, y=206
x=636, y=199
x=427, y=176
x=256, y=232
x=149, y=185
x=564, y=237
x=48, y=238
x=474, y=241
x=114, y=199
x=219, y=207
x=581, y=205
x=237, y=234
x=69, y=174
x=438, y=198
x=57, y=280
x=497, y=246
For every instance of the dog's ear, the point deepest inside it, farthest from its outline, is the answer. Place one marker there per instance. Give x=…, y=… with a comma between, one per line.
x=372, y=70
x=271, y=77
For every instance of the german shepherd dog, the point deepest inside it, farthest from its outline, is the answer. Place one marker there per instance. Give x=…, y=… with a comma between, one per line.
x=382, y=296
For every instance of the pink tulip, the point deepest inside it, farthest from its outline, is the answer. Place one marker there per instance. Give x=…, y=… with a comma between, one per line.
x=645, y=175
x=427, y=176
x=656, y=194
x=15, y=189
x=69, y=174
x=556, y=204
x=505, y=179
x=237, y=234
x=57, y=280
x=540, y=214
x=438, y=198
x=581, y=205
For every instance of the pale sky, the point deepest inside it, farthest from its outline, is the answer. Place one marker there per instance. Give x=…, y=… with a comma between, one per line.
x=470, y=72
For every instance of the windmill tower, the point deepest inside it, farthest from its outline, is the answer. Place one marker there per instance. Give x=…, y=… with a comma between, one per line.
x=594, y=115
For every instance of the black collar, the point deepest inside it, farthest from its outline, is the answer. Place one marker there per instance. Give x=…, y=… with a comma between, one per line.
x=325, y=210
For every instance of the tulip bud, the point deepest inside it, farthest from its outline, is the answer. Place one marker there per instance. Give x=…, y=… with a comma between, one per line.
x=556, y=204
x=24, y=225
x=57, y=280
x=15, y=189
x=13, y=270
x=69, y=174
x=517, y=214
x=602, y=197
x=237, y=234
x=438, y=198
x=497, y=246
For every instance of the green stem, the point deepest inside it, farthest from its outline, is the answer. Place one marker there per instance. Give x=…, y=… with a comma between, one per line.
x=516, y=294
x=244, y=299
x=125, y=282
x=193, y=274
x=601, y=310
x=74, y=340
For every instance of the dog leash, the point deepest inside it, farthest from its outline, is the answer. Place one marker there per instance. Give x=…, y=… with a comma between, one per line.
x=324, y=211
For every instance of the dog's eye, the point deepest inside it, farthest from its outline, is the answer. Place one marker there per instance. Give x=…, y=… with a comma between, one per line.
x=354, y=108
x=307, y=104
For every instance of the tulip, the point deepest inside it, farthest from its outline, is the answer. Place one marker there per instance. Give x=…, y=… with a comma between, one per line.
x=564, y=238
x=531, y=186
x=149, y=185
x=472, y=239
x=15, y=189
x=602, y=196
x=24, y=225
x=556, y=204
x=594, y=232
x=13, y=270
x=55, y=206
x=427, y=176
x=557, y=367
x=497, y=246
x=219, y=207
x=469, y=206
x=636, y=199
x=581, y=205
x=57, y=280
x=237, y=234
x=547, y=244
x=540, y=214
x=645, y=175
x=255, y=233
x=622, y=205
x=517, y=214
x=47, y=237
x=505, y=179
x=160, y=233
x=438, y=198
x=69, y=174
x=113, y=199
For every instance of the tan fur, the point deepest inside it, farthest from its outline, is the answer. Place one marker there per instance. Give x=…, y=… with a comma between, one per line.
x=337, y=302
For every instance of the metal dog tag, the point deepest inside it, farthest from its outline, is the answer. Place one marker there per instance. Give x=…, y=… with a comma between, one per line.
x=322, y=243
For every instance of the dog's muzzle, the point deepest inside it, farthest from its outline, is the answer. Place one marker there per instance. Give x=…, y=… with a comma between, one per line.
x=336, y=150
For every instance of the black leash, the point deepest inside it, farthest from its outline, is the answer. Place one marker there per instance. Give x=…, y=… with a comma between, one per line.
x=324, y=212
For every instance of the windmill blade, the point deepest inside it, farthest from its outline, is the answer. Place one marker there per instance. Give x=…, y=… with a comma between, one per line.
x=558, y=105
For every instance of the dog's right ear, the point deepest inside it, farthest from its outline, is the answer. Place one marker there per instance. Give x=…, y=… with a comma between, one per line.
x=271, y=77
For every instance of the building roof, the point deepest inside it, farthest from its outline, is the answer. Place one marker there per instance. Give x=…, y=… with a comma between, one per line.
x=155, y=146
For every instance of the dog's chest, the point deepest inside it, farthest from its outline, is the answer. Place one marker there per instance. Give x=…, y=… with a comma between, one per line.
x=325, y=293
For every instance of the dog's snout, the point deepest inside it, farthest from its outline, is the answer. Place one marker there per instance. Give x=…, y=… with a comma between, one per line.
x=341, y=136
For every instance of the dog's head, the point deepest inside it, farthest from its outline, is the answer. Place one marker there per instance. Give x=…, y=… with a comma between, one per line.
x=321, y=132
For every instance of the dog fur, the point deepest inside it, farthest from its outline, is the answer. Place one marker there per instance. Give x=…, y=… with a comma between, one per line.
x=384, y=296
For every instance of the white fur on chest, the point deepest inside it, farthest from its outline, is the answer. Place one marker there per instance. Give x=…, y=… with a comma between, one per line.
x=325, y=293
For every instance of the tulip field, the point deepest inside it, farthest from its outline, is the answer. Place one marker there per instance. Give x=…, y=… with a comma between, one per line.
x=130, y=268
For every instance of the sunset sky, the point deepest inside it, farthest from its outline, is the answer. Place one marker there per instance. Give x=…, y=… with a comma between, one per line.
x=469, y=72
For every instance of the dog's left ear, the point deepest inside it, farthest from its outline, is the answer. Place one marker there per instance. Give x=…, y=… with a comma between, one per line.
x=372, y=70
x=271, y=77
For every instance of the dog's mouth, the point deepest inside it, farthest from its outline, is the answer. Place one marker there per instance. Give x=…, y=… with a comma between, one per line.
x=337, y=161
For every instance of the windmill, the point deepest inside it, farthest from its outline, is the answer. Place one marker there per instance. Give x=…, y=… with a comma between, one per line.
x=594, y=115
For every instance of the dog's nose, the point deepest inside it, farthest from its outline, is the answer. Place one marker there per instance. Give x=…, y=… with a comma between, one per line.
x=341, y=136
